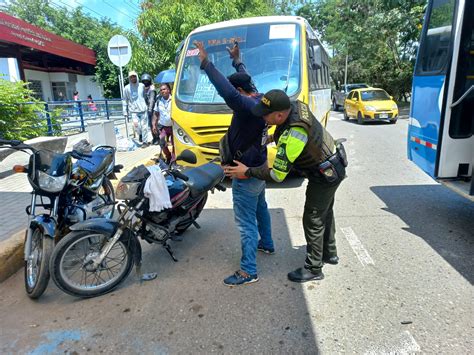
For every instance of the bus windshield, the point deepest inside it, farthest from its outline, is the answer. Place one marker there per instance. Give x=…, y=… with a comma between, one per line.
x=271, y=53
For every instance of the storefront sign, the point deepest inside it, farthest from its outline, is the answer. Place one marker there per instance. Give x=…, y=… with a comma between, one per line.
x=17, y=31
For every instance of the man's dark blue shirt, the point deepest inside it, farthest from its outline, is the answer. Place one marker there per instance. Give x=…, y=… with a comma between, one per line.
x=246, y=130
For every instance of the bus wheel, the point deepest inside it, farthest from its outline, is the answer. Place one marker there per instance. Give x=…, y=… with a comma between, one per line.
x=360, y=120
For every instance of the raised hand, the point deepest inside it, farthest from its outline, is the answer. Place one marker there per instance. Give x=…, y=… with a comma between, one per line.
x=202, y=51
x=234, y=52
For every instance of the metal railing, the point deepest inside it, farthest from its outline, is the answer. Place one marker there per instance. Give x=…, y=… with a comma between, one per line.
x=71, y=117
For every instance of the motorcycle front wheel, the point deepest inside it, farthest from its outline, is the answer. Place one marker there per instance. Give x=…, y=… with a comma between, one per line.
x=37, y=264
x=72, y=270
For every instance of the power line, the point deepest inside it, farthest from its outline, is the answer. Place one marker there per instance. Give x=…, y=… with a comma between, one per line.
x=124, y=13
x=88, y=8
x=133, y=7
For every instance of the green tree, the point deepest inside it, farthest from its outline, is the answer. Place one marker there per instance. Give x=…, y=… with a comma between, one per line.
x=379, y=36
x=81, y=28
x=21, y=115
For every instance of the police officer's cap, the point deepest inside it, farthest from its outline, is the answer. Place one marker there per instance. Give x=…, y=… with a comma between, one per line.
x=273, y=101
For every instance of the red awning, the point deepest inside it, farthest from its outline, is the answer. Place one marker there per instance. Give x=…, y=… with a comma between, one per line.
x=17, y=31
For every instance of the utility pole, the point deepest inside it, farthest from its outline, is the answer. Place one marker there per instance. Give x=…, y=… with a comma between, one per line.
x=345, y=72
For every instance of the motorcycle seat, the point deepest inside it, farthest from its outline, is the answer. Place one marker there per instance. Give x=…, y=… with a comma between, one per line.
x=97, y=163
x=203, y=178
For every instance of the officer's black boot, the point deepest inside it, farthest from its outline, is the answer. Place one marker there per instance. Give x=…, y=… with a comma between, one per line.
x=303, y=275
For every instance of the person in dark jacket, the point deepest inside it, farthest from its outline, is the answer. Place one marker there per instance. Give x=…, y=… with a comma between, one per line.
x=247, y=141
x=304, y=144
x=150, y=99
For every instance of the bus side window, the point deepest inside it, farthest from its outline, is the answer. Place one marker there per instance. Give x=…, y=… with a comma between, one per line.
x=312, y=74
x=436, y=44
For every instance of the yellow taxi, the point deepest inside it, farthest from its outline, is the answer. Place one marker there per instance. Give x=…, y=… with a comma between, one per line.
x=370, y=104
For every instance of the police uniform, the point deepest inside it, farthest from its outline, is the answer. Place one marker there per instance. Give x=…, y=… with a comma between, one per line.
x=305, y=145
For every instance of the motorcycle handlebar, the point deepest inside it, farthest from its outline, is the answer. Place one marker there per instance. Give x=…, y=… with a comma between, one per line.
x=77, y=155
x=179, y=175
x=12, y=142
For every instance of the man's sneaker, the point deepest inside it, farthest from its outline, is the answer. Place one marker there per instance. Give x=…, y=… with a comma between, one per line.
x=240, y=278
x=261, y=248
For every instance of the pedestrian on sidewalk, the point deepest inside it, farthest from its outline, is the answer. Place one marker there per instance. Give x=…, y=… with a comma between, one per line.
x=134, y=94
x=91, y=104
x=246, y=142
x=303, y=143
x=162, y=124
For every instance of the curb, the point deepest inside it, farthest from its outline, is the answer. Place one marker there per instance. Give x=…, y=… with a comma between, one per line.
x=11, y=249
x=11, y=255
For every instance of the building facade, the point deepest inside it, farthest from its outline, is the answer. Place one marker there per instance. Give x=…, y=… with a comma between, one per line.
x=53, y=66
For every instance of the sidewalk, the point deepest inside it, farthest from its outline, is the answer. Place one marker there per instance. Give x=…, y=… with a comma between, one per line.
x=15, y=196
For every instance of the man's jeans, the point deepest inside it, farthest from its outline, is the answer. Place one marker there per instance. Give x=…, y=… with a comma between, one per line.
x=252, y=218
x=140, y=123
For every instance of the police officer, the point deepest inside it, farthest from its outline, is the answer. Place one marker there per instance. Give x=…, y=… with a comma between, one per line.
x=305, y=145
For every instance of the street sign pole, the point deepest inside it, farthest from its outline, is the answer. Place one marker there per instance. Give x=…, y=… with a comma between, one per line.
x=120, y=53
x=122, y=91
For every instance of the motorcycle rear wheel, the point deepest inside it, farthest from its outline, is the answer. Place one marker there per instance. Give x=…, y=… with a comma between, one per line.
x=71, y=272
x=37, y=266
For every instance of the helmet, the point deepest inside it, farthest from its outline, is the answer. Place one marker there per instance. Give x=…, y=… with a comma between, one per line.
x=146, y=77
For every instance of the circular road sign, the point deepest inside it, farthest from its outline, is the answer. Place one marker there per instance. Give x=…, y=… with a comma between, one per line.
x=119, y=50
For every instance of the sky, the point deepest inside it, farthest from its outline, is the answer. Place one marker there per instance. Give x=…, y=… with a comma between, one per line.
x=122, y=12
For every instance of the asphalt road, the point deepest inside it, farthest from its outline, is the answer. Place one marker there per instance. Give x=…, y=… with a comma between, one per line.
x=404, y=283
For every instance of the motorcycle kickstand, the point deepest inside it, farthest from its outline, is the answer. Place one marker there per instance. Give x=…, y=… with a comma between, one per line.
x=170, y=251
x=195, y=224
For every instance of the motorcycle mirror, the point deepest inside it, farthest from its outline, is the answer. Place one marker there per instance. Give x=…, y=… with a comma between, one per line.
x=187, y=156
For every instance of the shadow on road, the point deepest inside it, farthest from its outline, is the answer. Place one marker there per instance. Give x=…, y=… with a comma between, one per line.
x=293, y=180
x=187, y=309
x=439, y=216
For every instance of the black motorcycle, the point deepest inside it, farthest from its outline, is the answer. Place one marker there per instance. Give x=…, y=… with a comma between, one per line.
x=99, y=254
x=64, y=193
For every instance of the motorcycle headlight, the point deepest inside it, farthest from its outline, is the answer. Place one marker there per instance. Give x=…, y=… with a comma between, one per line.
x=394, y=107
x=51, y=183
x=370, y=108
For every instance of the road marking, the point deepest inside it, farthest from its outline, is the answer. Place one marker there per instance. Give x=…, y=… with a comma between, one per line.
x=403, y=345
x=357, y=247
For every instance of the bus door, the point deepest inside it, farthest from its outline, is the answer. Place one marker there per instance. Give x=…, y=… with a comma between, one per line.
x=456, y=156
x=429, y=80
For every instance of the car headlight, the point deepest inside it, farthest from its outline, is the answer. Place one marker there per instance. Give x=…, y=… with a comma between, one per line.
x=370, y=108
x=51, y=183
x=179, y=133
x=394, y=107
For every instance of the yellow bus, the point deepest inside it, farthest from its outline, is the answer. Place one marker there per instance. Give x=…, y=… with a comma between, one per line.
x=280, y=52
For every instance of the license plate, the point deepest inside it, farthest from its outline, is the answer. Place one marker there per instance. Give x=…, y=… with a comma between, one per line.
x=383, y=115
